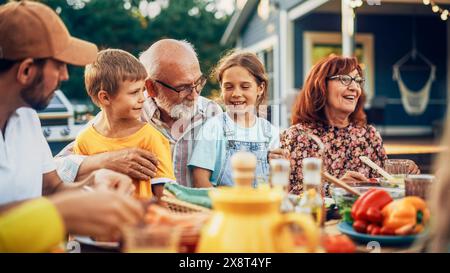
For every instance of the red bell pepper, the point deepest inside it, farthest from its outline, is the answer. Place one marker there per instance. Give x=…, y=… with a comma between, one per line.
x=375, y=231
x=371, y=227
x=370, y=204
x=359, y=201
x=374, y=215
x=360, y=226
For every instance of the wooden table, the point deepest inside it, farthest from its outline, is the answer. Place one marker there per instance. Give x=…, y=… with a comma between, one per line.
x=331, y=229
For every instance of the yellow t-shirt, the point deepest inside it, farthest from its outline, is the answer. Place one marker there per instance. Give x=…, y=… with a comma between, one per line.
x=90, y=142
x=34, y=226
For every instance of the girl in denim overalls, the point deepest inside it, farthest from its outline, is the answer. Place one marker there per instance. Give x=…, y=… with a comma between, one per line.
x=244, y=86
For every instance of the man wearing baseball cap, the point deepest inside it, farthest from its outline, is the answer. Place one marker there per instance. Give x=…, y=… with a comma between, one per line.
x=35, y=48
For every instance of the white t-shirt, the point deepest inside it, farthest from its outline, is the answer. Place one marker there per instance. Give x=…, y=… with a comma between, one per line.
x=24, y=157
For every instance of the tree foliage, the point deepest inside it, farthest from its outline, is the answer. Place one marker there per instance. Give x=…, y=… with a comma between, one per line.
x=120, y=24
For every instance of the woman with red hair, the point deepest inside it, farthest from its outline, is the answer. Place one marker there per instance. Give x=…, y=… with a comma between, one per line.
x=330, y=107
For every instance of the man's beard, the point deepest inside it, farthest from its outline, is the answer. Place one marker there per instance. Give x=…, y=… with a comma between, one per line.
x=33, y=94
x=183, y=111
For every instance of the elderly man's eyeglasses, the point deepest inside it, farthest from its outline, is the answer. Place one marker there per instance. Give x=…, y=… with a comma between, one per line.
x=187, y=88
x=347, y=79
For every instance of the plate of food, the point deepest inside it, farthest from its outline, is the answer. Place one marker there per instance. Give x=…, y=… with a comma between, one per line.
x=384, y=240
x=344, y=199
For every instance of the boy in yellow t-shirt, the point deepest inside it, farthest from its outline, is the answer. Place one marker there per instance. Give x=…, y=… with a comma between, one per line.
x=115, y=82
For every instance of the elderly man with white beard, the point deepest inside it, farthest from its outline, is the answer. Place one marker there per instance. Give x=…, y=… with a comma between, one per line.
x=174, y=106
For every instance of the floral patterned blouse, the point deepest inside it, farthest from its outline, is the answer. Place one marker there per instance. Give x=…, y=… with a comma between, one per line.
x=343, y=147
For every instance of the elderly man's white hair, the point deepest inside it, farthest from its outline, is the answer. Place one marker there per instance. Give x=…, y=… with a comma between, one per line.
x=166, y=51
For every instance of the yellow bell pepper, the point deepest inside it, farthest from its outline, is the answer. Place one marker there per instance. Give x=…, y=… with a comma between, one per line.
x=406, y=216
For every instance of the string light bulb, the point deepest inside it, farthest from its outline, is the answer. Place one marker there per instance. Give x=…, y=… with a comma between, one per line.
x=241, y=3
x=264, y=9
x=443, y=13
x=435, y=8
x=355, y=3
x=444, y=16
x=352, y=4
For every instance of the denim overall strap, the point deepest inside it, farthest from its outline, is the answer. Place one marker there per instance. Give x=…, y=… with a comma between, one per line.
x=227, y=129
x=259, y=149
x=267, y=130
x=228, y=132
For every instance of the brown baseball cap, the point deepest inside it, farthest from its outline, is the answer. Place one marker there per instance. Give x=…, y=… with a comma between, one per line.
x=33, y=30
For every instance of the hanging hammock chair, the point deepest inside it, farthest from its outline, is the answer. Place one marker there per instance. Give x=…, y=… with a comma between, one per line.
x=414, y=102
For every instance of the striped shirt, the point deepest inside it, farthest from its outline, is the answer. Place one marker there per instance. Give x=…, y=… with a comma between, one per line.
x=181, y=138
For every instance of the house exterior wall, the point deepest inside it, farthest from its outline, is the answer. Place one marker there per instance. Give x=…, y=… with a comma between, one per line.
x=288, y=4
x=258, y=29
x=392, y=40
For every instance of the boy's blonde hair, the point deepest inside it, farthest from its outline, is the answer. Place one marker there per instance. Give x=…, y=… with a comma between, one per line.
x=109, y=70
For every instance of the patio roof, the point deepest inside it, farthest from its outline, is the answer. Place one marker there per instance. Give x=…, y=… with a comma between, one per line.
x=241, y=17
x=238, y=20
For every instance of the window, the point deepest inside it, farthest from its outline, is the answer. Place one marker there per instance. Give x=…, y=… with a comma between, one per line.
x=266, y=50
x=266, y=57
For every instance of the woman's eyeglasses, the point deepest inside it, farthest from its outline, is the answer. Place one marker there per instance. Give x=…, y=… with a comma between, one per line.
x=187, y=88
x=347, y=79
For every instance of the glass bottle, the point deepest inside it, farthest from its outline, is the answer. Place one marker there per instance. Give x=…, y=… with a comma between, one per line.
x=312, y=201
x=280, y=170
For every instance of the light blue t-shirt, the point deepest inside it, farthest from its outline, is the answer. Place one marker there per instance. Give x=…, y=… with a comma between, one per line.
x=210, y=145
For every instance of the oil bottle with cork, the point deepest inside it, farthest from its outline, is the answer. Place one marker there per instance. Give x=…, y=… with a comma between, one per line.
x=312, y=201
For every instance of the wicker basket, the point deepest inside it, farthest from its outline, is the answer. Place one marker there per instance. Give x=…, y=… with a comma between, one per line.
x=189, y=235
x=178, y=206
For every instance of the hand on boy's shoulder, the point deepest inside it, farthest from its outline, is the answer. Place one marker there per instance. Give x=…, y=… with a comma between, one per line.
x=137, y=163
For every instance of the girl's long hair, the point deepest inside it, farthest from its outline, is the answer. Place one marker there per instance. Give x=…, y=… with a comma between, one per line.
x=248, y=61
